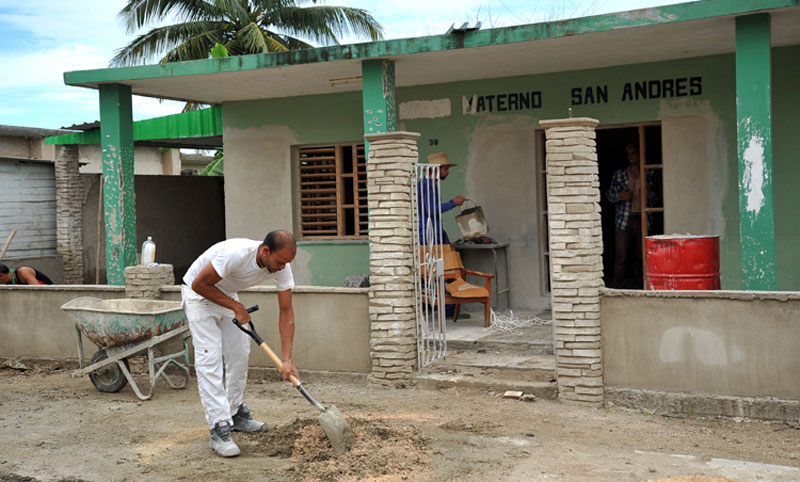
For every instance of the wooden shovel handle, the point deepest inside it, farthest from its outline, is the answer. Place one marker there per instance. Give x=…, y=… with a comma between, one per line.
x=277, y=361
x=8, y=241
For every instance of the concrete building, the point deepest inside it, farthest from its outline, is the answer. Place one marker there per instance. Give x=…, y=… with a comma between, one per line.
x=706, y=90
x=670, y=72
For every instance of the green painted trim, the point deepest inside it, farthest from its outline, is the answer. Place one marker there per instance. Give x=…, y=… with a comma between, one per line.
x=186, y=125
x=754, y=142
x=480, y=38
x=116, y=131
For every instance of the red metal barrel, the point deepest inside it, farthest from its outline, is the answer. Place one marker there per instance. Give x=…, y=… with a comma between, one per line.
x=682, y=262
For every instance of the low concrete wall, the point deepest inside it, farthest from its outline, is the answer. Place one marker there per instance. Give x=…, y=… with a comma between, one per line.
x=717, y=343
x=332, y=324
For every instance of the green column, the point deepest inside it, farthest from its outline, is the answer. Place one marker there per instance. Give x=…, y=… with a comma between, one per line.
x=754, y=142
x=116, y=143
x=378, y=92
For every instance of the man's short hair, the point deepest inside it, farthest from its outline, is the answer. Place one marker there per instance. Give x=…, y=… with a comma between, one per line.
x=278, y=240
x=632, y=146
x=3, y=269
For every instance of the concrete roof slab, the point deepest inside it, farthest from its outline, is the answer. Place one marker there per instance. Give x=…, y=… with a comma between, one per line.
x=649, y=35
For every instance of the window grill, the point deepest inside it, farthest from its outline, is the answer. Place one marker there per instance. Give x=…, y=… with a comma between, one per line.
x=333, y=191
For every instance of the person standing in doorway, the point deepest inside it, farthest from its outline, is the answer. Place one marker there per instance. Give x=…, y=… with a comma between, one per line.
x=221, y=351
x=625, y=194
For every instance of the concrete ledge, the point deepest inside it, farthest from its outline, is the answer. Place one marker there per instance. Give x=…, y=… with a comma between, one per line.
x=254, y=372
x=673, y=403
x=309, y=376
x=296, y=289
x=714, y=294
x=437, y=381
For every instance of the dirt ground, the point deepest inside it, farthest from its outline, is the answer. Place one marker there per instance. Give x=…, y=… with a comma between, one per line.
x=55, y=428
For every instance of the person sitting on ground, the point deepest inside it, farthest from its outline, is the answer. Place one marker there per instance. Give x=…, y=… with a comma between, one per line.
x=24, y=275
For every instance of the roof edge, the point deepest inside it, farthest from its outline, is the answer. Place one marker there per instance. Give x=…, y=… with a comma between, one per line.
x=457, y=40
x=186, y=125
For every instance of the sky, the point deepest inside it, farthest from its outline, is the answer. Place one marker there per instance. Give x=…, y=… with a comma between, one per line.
x=42, y=39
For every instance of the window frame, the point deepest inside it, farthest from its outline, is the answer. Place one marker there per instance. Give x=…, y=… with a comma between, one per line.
x=341, y=209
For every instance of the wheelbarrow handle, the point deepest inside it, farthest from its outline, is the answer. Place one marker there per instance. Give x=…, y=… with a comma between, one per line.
x=252, y=331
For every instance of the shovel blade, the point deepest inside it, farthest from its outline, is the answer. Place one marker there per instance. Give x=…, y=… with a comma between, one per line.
x=337, y=429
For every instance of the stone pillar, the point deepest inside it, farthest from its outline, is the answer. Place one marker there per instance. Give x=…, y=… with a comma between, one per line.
x=146, y=281
x=390, y=170
x=69, y=198
x=576, y=257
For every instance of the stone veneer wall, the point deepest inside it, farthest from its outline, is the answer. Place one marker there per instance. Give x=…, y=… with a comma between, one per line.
x=576, y=257
x=390, y=170
x=144, y=281
x=69, y=198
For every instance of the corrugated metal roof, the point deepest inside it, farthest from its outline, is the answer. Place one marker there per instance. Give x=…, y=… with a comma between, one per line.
x=201, y=129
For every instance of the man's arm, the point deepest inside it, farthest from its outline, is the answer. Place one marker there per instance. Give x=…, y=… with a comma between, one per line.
x=286, y=327
x=456, y=201
x=204, y=284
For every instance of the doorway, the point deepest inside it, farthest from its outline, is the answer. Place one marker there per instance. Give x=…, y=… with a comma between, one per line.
x=613, y=144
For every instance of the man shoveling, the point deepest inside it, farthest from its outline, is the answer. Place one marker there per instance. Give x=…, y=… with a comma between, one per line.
x=211, y=303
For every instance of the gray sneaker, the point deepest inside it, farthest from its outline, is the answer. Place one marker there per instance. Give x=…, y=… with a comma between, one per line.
x=243, y=421
x=221, y=440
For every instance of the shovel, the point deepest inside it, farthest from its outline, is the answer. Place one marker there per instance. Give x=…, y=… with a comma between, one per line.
x=333, y=422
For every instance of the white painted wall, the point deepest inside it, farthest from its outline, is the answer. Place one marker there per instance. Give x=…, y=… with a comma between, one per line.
x=686, y=176
x=147, y=160
x=501, y=178
x=258, y=180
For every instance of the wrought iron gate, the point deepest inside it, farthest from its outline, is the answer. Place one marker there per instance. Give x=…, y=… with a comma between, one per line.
x=428, y=265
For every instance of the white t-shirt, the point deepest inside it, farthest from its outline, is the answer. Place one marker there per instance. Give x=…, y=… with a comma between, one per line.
x=235, y=261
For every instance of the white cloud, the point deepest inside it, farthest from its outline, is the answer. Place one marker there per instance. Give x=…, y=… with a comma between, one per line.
x=47, y=67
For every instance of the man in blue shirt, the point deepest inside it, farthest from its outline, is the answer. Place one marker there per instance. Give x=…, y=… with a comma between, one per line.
x=428, y=197
x=429, y=209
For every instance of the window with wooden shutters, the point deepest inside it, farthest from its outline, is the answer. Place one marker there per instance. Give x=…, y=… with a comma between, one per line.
x=333, y=191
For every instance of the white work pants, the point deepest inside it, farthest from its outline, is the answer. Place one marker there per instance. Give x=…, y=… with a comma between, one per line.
x=216, y=341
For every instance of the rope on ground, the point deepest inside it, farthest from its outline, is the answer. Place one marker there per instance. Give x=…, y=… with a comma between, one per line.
x=510, y=324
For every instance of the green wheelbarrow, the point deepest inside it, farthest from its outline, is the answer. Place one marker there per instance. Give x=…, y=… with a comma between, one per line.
x=124, y=328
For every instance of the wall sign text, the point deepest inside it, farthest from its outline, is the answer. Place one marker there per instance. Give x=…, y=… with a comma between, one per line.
x=639, y=90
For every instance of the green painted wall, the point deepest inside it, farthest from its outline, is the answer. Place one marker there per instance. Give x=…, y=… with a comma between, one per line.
x=457, y=135
x=786, y=164
x=330, y=262
x=496, y=153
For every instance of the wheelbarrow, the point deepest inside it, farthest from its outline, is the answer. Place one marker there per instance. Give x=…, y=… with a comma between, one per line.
x=124, y=328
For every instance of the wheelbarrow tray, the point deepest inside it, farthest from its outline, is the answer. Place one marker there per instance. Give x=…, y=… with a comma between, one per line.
x=124, y=328
x=109, y=323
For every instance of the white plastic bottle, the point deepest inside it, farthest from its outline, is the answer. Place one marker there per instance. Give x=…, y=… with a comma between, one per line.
x=148, y=251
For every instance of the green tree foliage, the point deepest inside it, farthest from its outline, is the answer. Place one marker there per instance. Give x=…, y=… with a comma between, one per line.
x=241, y=26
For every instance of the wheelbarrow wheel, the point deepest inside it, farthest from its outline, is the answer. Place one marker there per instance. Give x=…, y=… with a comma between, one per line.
x=109, y=378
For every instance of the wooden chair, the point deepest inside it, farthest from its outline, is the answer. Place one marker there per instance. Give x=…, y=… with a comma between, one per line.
x=457, y=290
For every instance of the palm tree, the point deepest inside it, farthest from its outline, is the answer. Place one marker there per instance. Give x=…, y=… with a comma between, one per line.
x=242, y=26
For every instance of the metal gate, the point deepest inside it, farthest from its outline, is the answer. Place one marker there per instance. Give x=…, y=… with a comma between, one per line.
x=428, y=265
